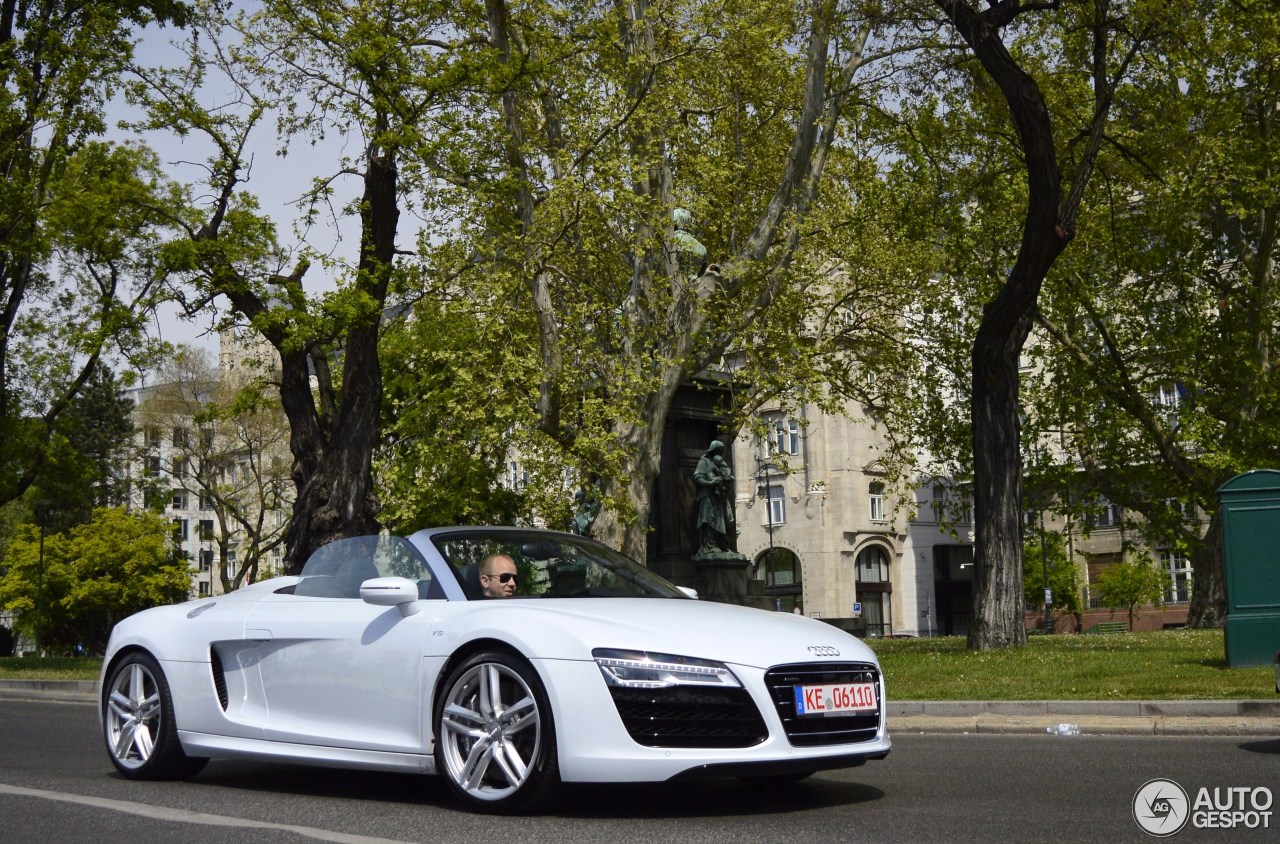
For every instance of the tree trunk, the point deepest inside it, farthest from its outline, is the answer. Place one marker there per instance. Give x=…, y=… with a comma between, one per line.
x=333, y=468
x=1208, y=589
x=997, y=462
x=643, y=441
x=997, y=492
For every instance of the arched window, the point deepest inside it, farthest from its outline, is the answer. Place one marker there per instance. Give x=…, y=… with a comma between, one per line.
x=783, y=578
x=874, y=589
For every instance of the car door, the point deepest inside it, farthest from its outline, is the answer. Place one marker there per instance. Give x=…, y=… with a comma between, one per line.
x=340, y=672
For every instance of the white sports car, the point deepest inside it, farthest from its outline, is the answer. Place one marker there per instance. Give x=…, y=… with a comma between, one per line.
x=384, y=654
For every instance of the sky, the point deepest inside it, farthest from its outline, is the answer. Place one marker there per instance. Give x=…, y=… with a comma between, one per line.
x=278, y=181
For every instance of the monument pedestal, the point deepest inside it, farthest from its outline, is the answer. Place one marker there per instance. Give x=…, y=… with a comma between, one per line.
x=723, y=577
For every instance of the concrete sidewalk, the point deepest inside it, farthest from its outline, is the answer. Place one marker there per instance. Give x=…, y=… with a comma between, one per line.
x=1010, y=717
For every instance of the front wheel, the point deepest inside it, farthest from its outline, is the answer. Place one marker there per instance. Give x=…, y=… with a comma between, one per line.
x=138, y=723
x=495, y=739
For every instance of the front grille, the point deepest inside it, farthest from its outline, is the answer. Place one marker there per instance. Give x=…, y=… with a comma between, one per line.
x=219, y=679
x=815, y=731
x=685, y=716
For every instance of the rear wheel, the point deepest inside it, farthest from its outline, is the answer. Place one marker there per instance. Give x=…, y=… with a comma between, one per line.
x=495, y=740
x=138, y=723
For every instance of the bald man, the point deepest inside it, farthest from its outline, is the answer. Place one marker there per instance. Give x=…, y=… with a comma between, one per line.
x=498, y=576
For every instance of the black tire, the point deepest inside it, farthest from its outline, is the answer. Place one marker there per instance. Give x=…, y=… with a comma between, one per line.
x=138, y=723
x=495, y=742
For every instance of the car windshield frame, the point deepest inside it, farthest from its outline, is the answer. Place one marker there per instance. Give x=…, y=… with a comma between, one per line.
x=549, y=565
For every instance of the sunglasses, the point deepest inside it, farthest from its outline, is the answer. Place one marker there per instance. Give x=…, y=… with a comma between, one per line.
x=505, y=577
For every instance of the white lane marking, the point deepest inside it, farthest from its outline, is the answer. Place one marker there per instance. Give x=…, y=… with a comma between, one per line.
x=183, y=816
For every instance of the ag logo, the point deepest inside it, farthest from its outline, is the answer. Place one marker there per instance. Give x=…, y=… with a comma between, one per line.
x=823, y=650
x=1161, y=808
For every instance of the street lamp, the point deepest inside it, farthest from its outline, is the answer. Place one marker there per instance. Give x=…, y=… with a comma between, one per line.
x=762, y=467
x=1044, y=558
x=42, y=516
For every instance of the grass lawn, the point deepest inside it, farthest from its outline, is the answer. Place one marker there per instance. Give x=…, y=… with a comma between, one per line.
x=50, y=668
x=1166, y=665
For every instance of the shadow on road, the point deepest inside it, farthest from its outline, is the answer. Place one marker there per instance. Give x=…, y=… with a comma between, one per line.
x=709, y=798
x=1271, y=746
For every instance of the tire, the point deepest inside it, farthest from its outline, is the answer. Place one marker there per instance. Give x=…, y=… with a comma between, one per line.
x=138, y=723
x=495, y=737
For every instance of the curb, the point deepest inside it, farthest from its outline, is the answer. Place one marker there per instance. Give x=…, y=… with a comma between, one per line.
x=947, y=717
x=62, y=691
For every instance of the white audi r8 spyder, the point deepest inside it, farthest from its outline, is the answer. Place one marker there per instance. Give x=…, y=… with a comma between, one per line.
x=385, y=654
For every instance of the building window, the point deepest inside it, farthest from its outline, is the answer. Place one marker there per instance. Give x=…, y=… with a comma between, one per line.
x=179, y=501
x=181, y=530
x=776, y=512
x=204, y=590
x=875, y=493
x=206, y=559
x=871, y=573
x=783, y=578
x=939, y=503
x=179, y=467
x=206, y=501
x=1178, y=567
x=872, y=566
x=206, y=529
x=1168, y=396
x=153, y=437
x=179, y=437
x=1108, y=516
x=153, y=466
x=782, y=436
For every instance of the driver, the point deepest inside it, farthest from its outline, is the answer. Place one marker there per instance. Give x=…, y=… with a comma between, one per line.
x=498, y=576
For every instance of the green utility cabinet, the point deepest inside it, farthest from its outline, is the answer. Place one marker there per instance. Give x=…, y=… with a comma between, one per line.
x=1250, y=506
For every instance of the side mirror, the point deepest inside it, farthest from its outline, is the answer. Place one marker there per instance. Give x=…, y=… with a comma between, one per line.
x=398, y=592
x=692, y=593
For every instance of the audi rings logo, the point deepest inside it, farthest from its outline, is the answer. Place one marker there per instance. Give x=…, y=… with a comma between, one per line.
x=823, y=650
x=1161, y=808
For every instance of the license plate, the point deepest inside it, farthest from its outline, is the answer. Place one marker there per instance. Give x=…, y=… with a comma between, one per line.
x=837, y=699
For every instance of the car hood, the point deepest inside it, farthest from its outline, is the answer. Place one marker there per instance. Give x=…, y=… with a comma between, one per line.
x=722, y=632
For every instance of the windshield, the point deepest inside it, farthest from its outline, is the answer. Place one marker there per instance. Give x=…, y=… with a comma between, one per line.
x=551, y=566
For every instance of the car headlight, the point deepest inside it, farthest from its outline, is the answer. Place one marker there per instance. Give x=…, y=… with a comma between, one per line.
x=644, y=670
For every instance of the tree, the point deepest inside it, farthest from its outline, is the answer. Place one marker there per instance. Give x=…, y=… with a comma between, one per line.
x=229, y=450
x=1041, y=547
x=544, y=166
x=84, y=467
x=1046, y=167
x=1159, y=343
x=373, y=72
x=116, y=564
x=76, y=215
x=1130, y=584
x=599, y=121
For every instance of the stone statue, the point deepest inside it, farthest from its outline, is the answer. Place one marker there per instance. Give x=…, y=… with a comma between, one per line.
x=691, y=254
x=585, y=514
x=714, y=480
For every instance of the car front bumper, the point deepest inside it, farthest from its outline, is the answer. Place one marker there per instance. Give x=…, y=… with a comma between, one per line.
x=594, y=745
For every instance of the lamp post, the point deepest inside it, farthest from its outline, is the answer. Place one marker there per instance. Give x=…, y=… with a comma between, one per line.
x=762, y=467
x=42, y=516
x=1044, y=559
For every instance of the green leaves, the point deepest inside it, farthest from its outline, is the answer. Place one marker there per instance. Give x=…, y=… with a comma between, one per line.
x=118, y=563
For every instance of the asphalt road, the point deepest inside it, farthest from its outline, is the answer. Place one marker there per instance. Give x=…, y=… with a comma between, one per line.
x=56, y=785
